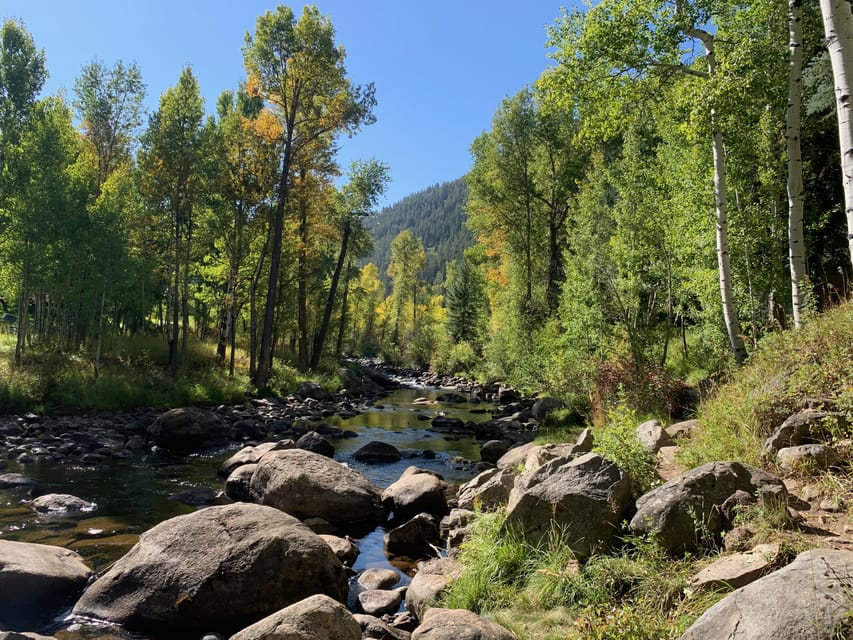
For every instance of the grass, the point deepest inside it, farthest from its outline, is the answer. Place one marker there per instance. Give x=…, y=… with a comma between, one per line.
x=542, y=593
x=133, y=374
x=813, y=362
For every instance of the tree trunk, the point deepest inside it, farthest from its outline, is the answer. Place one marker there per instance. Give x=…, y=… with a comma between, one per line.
x=730, y=317
x=266, y=348
x=339, y=344
x=302, y=290
x=174, y=299
x=838, y=26
x=796, y=195
x=320, y=338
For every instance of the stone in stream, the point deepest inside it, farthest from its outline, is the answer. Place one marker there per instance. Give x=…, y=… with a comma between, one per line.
x=250, y=455
x=378, y=578
x=418, y=537
x=36, y=581
x=377, y=452
x=186, y=429
x=59, y=503
x=488, y=491
x=14, y=480
x=376, y=628
x=417, y=491
x=220, y=567
x=378, y=602
x=313, y=441
x=315, y=618
x=308, y=485
x=432, y=578
x=344, y=548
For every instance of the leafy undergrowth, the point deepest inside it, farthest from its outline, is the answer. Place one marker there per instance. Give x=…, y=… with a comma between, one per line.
x=133, y=374
x=813, y=365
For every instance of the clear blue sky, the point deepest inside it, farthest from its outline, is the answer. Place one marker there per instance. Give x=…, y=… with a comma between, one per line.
x=440, y=67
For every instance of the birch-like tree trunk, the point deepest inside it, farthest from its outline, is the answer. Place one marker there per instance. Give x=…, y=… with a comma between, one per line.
x=796, y=195
x=721, y=205
x=838, y=27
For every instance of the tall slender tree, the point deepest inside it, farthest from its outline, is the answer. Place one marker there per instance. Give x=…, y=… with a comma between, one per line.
x=171, y=153
x=297, y=68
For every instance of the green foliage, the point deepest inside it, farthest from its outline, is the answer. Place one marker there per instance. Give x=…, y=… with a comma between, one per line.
x=456, y=358
x=617, y=441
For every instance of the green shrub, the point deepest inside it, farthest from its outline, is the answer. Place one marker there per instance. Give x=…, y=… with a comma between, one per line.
x=617, y=441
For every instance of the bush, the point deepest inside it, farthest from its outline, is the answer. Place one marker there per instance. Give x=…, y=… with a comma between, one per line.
x=617, y=441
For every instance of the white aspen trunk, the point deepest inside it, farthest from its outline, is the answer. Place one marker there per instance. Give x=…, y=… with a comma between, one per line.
x=720, y=200
x=796, y=195
x=838, y=27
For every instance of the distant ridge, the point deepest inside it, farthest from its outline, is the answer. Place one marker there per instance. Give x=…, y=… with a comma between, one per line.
x=437, y=216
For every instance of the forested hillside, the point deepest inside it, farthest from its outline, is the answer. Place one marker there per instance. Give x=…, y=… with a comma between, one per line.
x=436, y=215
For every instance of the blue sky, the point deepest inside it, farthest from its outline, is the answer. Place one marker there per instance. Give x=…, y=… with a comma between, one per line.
x=440, y=68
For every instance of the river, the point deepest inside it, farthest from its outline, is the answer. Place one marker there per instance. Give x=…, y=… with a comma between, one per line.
x=135, y=494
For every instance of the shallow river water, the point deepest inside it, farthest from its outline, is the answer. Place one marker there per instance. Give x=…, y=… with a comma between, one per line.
x=134, y=495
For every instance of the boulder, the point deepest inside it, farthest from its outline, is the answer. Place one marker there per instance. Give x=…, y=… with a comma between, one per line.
x=373, y=628
x=417, y=491
x=585, y=498
x=220, y=567
x=686, y=511
x=454, y=529
x=15, y=480
x=312, y=390
x=456, y=624
x=515, y=457
x=238, y=486
x=377, y=578
x=736, y=570
x=416, y=538
x=451, y=398
x=800, y=428
x=251, y=455
x=488, y=491
x=59, y=503
x=344, y=548
x=315, y=618
x=314, y=442
x=683, y=429
x=308, y=485
x=186, y=429
x=653, y=436
x=377, y=452
x=36, y=581
x=809, y=599
x=14, y=635
x=543, y=406
x=492, y=450
x=507, y=395
x=432, y=578
x=806, y=457
x=378, y=602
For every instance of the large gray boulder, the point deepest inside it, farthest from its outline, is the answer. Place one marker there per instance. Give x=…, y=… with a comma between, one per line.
x=186, y=429
x=36, y=581
x=315, y=618
x=687, y=511
x=459, y=624
x=810, y=599
x=800, y=428
x=220, y=567
x=309, y=485
x=585, y=498
x=419, y=537
x=251, y=455
x=417, y=491
x=488, y=491
x=544, y=406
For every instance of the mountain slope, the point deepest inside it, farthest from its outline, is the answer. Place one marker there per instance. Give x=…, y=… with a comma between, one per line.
x=436, y=215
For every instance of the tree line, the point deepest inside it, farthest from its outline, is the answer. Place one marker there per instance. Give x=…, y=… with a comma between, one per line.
x=235, y=227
